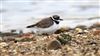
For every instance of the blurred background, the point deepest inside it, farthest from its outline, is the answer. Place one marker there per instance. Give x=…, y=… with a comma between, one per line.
x=17, y=14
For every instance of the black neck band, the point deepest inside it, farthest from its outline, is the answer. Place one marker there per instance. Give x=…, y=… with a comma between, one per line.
x=57, y=22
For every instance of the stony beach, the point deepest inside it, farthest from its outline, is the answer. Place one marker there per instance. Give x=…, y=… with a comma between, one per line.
x=80, y=41
x=78, y=34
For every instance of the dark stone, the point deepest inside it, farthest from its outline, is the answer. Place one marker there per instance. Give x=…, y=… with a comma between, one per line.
x=54, y=45
x=96, y=25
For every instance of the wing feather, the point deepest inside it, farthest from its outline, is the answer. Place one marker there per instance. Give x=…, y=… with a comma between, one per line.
x=45, y=23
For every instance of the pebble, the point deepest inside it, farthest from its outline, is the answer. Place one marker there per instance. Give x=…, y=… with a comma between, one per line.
x=3, y=44
x=95, y=25
x=96, y=32
x=55, y=44
x=78, y=30
x=83, y=27
x=1, y=39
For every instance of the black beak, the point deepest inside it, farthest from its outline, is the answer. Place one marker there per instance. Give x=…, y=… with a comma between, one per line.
x=61, y=19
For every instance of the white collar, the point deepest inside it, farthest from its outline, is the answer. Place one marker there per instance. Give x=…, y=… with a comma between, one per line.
x=52, y=18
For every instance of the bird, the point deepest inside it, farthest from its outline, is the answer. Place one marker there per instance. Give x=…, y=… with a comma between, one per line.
x=47, y=25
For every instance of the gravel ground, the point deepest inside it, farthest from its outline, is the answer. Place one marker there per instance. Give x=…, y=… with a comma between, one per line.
x=76, y=42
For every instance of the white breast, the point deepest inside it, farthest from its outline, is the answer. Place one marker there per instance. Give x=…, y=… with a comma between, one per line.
x=48, y=30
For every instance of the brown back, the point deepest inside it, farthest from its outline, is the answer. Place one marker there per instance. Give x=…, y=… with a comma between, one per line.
x=47, y=22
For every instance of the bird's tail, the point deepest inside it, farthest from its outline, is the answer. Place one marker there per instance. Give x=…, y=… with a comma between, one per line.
x=30, y=26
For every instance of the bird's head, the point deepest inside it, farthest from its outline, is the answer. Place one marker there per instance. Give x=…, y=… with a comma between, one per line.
x=56, y=17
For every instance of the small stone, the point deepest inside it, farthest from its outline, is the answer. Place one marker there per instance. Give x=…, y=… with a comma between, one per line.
x=98, y=52
x=18, y=39
x=95, y=25
x=86, y=31
x=96, y=32
x=92, y=42
x=1, y=39
x=85, y=36
x=3, y=44
x=79, y=31
x=83, y=27
x=55, y=44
